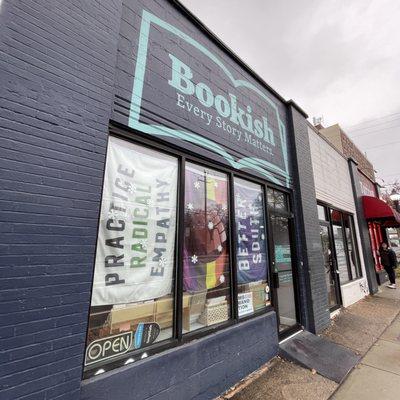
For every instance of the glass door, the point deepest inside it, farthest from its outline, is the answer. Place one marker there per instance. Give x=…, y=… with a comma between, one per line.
x=331, y=275
x=283, y=272
x=340, y=248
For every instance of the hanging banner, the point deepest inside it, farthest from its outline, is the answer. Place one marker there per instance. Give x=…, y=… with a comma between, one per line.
x=250, y=232
x=135, y=246
x=206, y=210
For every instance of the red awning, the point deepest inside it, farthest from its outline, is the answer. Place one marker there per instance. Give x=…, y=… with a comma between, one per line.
x=377, y=210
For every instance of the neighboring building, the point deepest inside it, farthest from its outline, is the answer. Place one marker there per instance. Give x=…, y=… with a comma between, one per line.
x=343, y=258
x=160, y=230
x=374, y=215
x=339, y=139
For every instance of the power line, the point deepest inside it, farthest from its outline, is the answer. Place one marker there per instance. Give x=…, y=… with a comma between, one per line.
x=382, y=145
x=373, y=126
x=375, y=131
x=373, y=119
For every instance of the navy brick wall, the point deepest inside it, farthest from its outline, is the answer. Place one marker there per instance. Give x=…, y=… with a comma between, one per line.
x=199, y=370
x=57, y=71
x=313, y=294
x=56, y=90
x=159, y=100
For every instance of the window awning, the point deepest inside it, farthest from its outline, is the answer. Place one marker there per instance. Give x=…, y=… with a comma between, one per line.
x=377, y=210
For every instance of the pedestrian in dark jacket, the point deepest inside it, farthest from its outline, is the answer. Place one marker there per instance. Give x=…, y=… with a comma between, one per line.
x=389, y=262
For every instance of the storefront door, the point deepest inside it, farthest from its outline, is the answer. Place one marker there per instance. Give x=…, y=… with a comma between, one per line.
x=285, y=298
x=331, y=271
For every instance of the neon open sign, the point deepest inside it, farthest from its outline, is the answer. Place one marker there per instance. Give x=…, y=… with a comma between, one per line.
x=109, y=347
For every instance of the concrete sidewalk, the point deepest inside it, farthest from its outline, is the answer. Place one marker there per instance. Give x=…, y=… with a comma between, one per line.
x=378, y=374
x=371, y=328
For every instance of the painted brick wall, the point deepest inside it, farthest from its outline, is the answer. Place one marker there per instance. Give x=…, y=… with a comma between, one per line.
x=56, y=90
x=314, y=290
x=199, y=370
x=57, y=71
x=331, y=173
x=159, y=99
x=351, y=150
x=363, y=225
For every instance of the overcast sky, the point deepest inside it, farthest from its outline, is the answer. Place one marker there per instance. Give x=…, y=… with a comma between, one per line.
x=339, y=59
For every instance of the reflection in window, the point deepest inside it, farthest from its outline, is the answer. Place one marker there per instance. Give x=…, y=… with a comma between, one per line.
x=321, y=213
x=206, y=276
x=277, y=200
x=352, y=246
x=330, y=266
x=132, y=300
x=251, y=248
x=284, y=269
x=338, y=238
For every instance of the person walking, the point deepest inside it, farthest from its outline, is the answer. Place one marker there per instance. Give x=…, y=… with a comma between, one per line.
x=389, y=262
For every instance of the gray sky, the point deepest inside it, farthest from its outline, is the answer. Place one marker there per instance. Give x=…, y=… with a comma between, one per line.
x=339, y=59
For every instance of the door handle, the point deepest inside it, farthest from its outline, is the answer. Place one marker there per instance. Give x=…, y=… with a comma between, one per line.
x=337, y=271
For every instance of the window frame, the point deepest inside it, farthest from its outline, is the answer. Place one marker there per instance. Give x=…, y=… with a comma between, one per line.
x=289, y=215
x=268, y=232
x=353, y=237
x=353, y=240
x=183, y=157
x=180, y=225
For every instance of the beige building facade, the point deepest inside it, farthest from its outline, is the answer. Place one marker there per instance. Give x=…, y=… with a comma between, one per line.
x=334, y=193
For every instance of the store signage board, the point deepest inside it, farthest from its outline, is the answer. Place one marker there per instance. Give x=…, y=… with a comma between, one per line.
x=182, y=90
x=367, y=186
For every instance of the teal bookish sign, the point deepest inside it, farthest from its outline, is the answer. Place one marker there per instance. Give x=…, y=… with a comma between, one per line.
x=174, y=82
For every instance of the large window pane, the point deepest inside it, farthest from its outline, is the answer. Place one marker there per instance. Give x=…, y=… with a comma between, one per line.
x=352, y=246
x=321, y=213
x=338, y=238
x=283, y=266
x=251, y=247
x=330, y=267
x=132, y=300
x=206, y=278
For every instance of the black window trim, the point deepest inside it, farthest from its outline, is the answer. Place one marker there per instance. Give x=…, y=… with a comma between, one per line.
x=178, y=338
x=353, y=236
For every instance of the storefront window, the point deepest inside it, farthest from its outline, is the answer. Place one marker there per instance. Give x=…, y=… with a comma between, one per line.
x=347, y=259
x=322, y=213
x=206, y=277
x=331, y=277
x=352, y=246
x=136, y=274
x=132, y=298
x=251, y=247
x=277, y=200
x=339, y=241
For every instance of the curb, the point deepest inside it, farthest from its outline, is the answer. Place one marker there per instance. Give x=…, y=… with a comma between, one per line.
x=248, y=380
